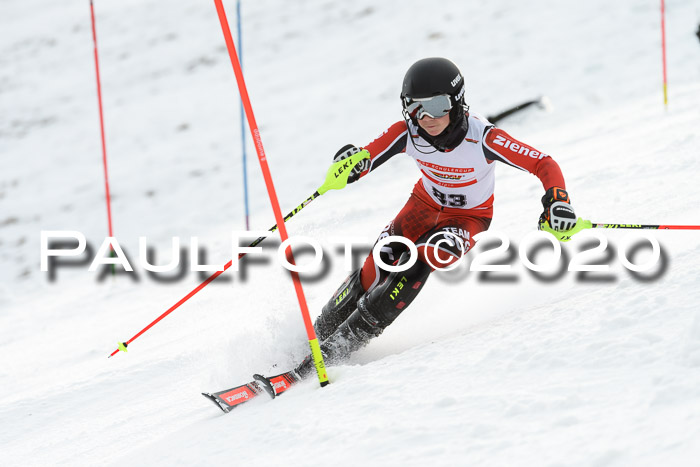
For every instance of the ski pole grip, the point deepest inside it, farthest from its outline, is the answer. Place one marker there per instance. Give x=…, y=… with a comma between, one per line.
x=565, y=235
x=338, y=173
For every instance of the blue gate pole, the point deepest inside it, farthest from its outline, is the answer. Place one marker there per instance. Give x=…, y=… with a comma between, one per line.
x=243, y=138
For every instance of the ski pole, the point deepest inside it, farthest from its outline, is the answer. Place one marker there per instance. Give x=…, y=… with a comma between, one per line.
x=582, y=224
x=641, y=226
x=336, y=179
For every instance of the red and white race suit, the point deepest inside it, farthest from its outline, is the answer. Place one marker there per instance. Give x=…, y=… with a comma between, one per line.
x=464, y=178
x=456, y=189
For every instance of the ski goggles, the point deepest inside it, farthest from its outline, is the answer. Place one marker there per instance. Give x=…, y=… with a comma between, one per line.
x=434, y=107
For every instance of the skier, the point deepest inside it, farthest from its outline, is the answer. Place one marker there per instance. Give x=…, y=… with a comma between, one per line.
x=455, y=151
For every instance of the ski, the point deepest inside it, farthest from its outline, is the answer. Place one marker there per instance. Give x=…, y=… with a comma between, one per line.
x=229, y=399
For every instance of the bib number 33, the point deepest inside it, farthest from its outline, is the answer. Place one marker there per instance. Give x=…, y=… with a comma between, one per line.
x=452, y=200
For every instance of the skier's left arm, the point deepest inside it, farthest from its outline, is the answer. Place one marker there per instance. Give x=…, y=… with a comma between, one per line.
x=500, y=146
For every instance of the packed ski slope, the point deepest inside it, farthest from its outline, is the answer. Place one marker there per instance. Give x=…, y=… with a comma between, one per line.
x=500, y=370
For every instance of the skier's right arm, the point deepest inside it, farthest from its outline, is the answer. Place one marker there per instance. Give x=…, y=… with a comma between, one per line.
x=387, y=145
x=360, y=169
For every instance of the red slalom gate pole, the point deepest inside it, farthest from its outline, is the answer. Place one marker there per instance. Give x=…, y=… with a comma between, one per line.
x=255, y=133
x=663, y=50
x=102, y=124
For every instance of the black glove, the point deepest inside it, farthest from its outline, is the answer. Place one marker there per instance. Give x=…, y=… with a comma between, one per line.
x=361, y=167
x=558, y=212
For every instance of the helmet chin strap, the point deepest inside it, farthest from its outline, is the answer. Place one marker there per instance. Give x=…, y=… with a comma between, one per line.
x=410, y=120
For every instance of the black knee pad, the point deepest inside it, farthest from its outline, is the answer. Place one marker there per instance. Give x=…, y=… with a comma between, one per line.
x=382, y=305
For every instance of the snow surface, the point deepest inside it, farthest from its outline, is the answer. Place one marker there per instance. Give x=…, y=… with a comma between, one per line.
x=602, y=371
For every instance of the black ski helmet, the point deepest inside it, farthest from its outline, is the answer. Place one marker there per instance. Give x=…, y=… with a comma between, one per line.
x=432, y=77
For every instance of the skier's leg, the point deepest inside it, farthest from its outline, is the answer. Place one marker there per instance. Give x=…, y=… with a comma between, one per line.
x=448, y=241
x=441, y=237
x=342, y=303
x=344, y=300
x=375, y=311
